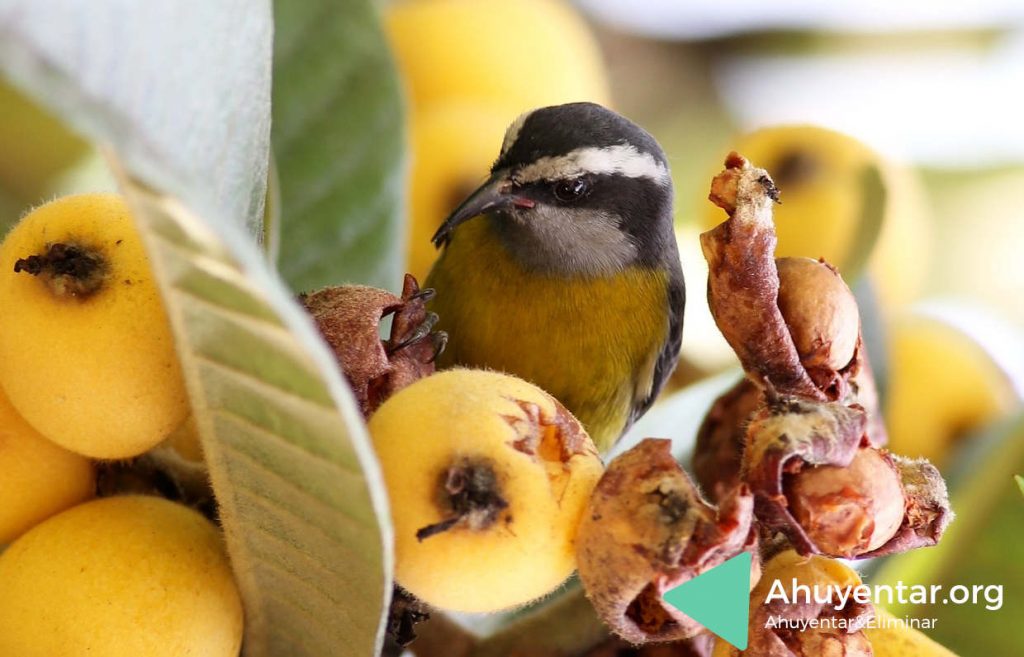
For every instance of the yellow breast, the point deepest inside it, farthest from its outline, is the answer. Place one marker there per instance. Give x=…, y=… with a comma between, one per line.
x=590, y=342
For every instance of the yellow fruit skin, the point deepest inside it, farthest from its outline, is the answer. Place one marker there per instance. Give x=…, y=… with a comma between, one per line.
x=942, y=385
x=820, y=215
x=529, y=550
x=186, y=442
x=98, y=375
x=120, y=577
x=453, y=146
x=37, y=478
x=520, y=55
x=891, y=640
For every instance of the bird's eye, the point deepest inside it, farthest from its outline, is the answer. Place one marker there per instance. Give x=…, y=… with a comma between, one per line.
x=571, y=190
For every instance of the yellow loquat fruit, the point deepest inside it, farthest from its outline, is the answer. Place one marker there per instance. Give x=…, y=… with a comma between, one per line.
x=86, y=351
x=520, y=55
x=37, y=477
x=488, y=477
x=120, y=577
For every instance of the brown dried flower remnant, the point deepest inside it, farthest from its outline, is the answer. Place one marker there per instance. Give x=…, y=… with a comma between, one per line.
x=647, y=530
x=743, y=281
x=818, y=480
x=69, y=270
x=404, y=614
x=720, y=439
x=793, y=322
x=349, y=316
x=470, y=494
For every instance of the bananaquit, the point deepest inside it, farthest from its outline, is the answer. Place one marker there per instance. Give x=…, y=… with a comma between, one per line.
x=570, y=278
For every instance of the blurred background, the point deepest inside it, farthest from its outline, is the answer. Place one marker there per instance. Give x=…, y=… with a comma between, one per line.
x=893, y=131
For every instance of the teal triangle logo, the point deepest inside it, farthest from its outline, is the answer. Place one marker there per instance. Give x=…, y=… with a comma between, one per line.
x=718, y=599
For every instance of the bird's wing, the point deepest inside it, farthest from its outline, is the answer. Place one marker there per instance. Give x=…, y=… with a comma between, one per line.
x=669, y=354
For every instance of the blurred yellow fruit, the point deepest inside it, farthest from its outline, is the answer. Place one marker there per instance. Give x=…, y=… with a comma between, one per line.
x=86, y=351
x=891, y=638
x=487, y=477
x=942, y=384
x=453, y=146
x=837, y=197
x=520, y=55
x=37, y=478
x=886, y=635
x=815, y=573
x=186, y=442
x=120, y=577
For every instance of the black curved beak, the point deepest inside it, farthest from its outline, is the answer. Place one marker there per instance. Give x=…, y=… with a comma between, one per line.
x=496, y=193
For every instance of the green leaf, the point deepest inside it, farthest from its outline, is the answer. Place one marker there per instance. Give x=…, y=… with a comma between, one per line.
x=1020, y=483
x=338, y=137
x=11, y=209
x=980, y=548
x=179, y=94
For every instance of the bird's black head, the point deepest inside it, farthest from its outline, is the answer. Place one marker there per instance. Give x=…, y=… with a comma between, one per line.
x=576, y=189
x=556, y=131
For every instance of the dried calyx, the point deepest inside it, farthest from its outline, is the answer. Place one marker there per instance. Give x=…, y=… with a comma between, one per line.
x=405, y=613
x=68, y=270
x=349, y=317
x=803, y=429
x=793, y=322
x=647, y=530
x=818, y=480
x=468, y=495
x=720, y=439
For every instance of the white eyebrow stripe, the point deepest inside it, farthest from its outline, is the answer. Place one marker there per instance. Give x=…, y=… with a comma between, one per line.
x=512, y=132
x=621, y=159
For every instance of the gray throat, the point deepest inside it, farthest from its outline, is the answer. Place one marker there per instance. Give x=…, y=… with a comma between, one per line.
x=566, y=242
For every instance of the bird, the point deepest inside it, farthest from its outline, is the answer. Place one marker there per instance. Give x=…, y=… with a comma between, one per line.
x=562, y=268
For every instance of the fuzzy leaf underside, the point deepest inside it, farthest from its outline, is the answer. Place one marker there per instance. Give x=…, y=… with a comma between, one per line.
x=179, y=89
x=293, y=475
